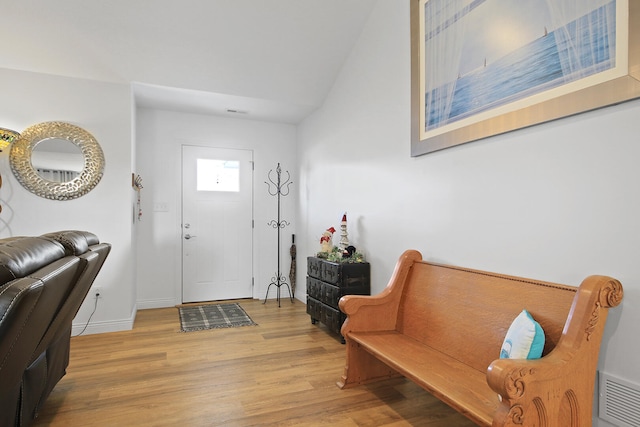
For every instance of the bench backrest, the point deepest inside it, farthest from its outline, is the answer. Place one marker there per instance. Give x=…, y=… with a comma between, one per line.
x=466, y=313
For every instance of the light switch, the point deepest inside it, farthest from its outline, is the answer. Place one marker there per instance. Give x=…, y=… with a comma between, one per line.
x=161, y=207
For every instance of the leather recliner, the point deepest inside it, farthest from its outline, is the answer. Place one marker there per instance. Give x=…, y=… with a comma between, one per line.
x=43, y=282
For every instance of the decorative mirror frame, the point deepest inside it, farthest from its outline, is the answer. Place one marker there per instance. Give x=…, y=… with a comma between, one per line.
x=26, y=174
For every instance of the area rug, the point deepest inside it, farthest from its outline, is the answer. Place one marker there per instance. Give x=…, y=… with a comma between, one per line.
x=210, y=316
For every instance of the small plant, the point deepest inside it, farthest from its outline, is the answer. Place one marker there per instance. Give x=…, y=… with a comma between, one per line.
x=338, y=255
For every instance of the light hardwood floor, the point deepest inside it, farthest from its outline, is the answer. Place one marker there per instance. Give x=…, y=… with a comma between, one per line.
x=279, y=373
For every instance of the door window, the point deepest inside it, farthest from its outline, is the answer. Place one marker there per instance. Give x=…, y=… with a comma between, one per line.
x=217, y=175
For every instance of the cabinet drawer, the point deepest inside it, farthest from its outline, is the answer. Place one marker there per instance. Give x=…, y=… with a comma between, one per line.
x=314, y=266
x=332, y=318
x=331, y=295
x=314, y=309
x=330, y=272
x=314, y=288
x=347, y=275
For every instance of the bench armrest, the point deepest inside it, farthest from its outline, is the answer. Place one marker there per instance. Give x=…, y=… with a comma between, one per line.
x=378, y=312
x=556, y=383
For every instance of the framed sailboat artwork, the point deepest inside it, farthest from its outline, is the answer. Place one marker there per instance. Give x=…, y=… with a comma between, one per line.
x=484, y=67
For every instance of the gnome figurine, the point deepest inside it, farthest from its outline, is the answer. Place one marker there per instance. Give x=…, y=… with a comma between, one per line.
x=344, y=240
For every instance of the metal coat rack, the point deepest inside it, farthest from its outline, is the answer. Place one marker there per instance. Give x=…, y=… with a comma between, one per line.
x=279, y=189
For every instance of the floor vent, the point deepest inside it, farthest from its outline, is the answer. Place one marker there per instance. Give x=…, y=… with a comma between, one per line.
x=619, y=401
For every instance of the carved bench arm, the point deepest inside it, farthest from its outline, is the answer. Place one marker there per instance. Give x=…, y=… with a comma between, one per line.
x=511, y=377
x=567, y=373
x=379, y=312
x=533, y=391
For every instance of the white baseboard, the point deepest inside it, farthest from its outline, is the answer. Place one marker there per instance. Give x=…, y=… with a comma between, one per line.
x=156, y=303
x=104, y=326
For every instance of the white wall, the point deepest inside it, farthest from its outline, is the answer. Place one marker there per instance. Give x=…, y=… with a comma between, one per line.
x=160, y=137
x=103, y=109
x=556, y=202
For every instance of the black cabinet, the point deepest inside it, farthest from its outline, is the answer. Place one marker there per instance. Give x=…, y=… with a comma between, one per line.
x=327, y=282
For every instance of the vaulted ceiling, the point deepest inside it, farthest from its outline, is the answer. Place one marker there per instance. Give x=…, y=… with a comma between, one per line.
x=267, y=59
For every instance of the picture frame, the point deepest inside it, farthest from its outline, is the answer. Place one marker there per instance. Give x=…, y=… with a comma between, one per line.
x=618, y=83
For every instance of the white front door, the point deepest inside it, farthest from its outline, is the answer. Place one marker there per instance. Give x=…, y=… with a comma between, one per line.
x=217, y=216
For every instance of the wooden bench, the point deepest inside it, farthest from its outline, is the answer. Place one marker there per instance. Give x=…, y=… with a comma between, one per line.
x=443, y=328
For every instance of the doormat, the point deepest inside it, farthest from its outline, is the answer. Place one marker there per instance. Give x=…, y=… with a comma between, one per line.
x=210, y=316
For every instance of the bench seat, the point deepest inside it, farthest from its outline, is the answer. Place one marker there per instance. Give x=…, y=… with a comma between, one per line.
x=436, y=372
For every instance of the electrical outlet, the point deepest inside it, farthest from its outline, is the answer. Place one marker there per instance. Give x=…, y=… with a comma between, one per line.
x=97, y=292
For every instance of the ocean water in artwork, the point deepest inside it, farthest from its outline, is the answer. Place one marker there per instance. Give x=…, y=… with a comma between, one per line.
x=537, y=66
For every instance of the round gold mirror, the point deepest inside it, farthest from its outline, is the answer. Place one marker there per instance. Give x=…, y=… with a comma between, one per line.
x=57, y=160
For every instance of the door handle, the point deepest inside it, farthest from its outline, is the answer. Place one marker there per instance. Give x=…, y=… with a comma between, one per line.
x=188, y=236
